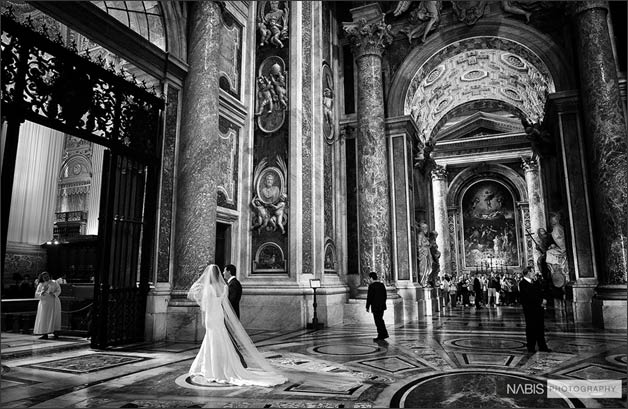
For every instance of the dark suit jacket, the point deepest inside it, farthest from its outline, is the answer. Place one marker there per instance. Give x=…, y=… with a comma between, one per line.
x=376, y=297
x=477, y=286
x=530, y=294
x=235, y=293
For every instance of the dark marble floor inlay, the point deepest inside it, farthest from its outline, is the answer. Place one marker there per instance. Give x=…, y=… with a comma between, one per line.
x=476, y=389
x=487, y=343
x=87, y=363
x=340, y=349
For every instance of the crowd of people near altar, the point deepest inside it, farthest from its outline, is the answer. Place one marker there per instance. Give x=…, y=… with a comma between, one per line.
x=481, y=289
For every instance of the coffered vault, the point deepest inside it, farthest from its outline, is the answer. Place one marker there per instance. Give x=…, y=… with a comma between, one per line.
x=494, y=70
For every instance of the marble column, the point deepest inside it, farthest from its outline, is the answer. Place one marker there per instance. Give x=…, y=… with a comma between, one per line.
x=195, y=228
x=605, y=139
x=441, y=222
x=537, y=214
x=368, y=40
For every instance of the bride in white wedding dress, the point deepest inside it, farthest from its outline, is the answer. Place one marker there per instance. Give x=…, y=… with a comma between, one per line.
x=217, y=360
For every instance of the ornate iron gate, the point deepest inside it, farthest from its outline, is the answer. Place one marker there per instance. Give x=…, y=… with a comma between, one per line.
x=47, y=83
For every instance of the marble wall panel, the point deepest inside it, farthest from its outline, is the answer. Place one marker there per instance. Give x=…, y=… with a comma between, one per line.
x=230, y=57
x=167, y=186
x=401, y=209
x=579, y=226
x=276, y=311
x=228, y=158
x=353, y=260
x=306, y=136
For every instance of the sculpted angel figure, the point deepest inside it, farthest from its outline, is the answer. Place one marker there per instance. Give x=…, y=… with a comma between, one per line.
x=261, y=216
x=278, y=80
x=265, y=96
x=426, y=11
x=273, y=26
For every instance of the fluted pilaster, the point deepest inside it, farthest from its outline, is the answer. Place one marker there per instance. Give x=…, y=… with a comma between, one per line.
x=605, y=139
x=441, y=223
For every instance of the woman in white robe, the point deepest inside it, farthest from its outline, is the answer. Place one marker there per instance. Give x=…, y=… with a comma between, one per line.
x=48, y=319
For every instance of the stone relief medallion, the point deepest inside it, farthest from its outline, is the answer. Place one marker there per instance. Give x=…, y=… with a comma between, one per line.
x=272, y=23
x=272, y=94
x=329, y=111
x=270, y=200
x=331, y=263
x=269, y=258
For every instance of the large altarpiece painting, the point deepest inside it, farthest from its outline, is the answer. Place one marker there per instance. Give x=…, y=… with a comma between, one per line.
x=489, y=225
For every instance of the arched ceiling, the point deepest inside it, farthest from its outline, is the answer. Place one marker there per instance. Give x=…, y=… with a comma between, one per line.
x=488, y=69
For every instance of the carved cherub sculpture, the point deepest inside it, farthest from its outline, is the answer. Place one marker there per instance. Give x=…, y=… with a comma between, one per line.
x=428, y=11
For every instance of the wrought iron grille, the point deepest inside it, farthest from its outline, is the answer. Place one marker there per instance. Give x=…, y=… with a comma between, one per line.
x=47, y=83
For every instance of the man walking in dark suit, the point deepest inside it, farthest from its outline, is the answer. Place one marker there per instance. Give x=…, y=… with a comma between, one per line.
x=376, y=301
x=477, y=289
x=531, y=296
x=235, y=288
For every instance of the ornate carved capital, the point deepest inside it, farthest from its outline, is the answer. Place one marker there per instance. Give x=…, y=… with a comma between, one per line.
x=368, y=38
x=439, y=173
x=530, y=164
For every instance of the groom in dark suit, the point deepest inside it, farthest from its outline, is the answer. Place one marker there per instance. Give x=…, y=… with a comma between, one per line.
x=235, y=288
x=531, y=296
x=376, y=301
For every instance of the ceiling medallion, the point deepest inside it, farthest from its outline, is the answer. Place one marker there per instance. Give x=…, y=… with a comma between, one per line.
x=473, y=75
x=514, y=61
x=434, y=75
x=511, y=93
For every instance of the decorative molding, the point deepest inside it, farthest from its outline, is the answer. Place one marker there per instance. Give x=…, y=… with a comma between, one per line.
x=439, y=173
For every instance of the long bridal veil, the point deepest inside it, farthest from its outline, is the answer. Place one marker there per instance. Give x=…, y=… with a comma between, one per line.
x=212, y=284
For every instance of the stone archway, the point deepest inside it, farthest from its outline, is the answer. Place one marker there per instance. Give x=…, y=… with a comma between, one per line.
x=503, y=34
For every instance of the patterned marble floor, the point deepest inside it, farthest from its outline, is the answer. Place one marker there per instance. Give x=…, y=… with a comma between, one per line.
x=461, y=358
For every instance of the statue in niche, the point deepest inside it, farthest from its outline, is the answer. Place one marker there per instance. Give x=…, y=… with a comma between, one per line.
x=556, y=255
x=540, y=139
x=328, y=109
x=427, y=11
x=278, y=80
x=270, y=200
x=543, y=244
x=435, y=254
x=272, y=94
x=329, y=115
x=265, y=98
x=279, y=217
x=273, y=25
x=425, y=254
x=261, y=217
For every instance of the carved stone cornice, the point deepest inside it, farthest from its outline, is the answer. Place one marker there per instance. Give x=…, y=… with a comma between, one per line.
x=368, y=38
x=439, y=173
x=529, y=164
